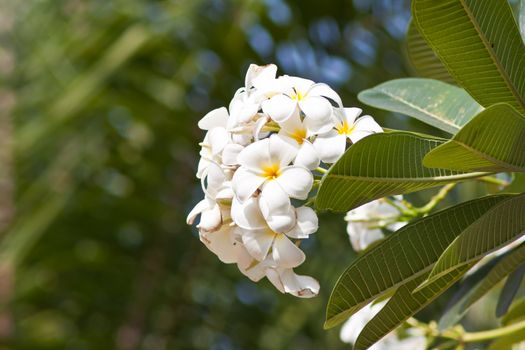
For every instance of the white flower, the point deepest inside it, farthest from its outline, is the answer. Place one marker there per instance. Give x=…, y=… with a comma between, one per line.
x=357, y=322
x=365, y=222
x=247, y=100
x=218, y=188
x=331, y=145
x=265, y=166
x=224, y=242
x=296, y=133
x=287, y=281
x=309, y=97
x=262, y=242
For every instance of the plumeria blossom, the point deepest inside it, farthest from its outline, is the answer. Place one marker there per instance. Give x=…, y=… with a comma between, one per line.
x=265, y=167
x=305, y=95
x=258, y=161
x=365, y=222
x=357, y=322
x=331, y=145
x=295, y=132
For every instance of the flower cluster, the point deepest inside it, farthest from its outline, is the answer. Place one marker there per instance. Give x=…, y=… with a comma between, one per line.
x=259, y=161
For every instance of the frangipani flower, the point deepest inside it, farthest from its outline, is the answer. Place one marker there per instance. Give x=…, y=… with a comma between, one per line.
x=365, y=222
x=331, y=145
x=265, y=167
x=287, y=281
x=305, y=95
x=296, y=133
x=261, y=241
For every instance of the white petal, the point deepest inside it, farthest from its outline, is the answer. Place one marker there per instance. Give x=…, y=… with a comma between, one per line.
x=258, y=75
x=355, y=324
x=361, y=236
x=197, y=209
x=316, y=107
x=307, y=156
x=279, y=107
x=319, y=126
x=248, y=215
x=307, y=223
x=281, y=152
x=255, y=156
x=292, y=124
x=230, y=154
x=275, y=278
x=223, y=244
x=276, y=207
x=299, y=286
x=350, y=115
x=215, y=178
x=322, y=89
x=330, y=147
x=216, y=118
x=285, y=253
x=218, y=138
x=245, y=183
x=300, y=85
x=363, y=127
x=246, y=111
x=296, y=181
x=211, y=219
x=259, y=125
x=258, y=242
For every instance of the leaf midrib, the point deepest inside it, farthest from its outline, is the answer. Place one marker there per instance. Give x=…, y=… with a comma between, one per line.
x=412, y=179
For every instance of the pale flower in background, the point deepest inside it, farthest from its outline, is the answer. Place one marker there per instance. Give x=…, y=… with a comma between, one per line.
x=357, y=322
x=365, y=222
x=331, y=145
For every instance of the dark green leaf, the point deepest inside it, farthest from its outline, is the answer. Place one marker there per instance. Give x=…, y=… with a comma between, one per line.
x=498, y=227
x=402, y=256
x=493, y=141
x=404, y=304
x=516, y=312
x=382, y=165
x=479, y=43
x=510, y=262
x=424, y=61
x=509, y=290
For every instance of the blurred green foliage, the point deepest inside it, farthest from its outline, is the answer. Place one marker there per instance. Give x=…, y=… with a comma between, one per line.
x=99, y=106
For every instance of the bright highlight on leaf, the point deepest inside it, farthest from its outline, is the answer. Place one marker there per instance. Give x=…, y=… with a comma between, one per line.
x=441, y=105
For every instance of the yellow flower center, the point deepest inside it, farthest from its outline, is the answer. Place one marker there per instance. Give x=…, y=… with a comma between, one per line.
x=271, y=171
x=344, y=128
x=298, y=135
x=297, y=95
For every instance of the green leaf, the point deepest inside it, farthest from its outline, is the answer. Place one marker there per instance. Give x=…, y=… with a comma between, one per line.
x=510, y=262
x=406, y=254
x=479, y=43
x=516, y=312
x=493, y=141
x=382, y=165
x=521, y=19
x=404, y=304
x=441, y=105
x=424, y=61
x=499, y=226
x=512, y=284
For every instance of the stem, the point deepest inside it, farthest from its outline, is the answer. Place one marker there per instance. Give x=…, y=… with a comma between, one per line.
x=321, y=170
x=493, y=333
x=434, y=201
x=493, y=180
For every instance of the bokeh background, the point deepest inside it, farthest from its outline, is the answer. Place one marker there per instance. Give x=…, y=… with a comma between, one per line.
x=99, y=103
